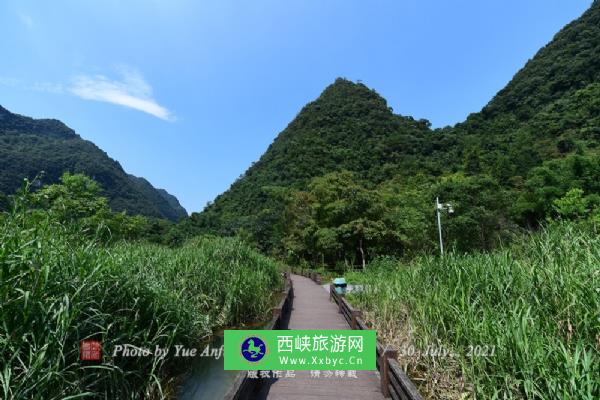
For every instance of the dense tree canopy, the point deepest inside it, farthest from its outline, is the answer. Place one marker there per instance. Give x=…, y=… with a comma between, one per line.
x=77, y=201
x=349, y=177
x=349, y=180
x=29, y=146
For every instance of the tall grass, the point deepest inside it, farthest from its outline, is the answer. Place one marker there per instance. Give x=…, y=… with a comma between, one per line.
x=536, y=304
x=57, y=287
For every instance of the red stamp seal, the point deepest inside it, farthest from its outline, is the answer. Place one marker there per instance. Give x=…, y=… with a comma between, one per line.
x=90, y=350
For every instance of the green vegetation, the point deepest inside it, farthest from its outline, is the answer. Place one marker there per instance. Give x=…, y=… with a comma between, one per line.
x=533, y=308
x=552, y=189
x=29, y=146
x=349, y=128
x=78, y=199
x=347, y=183
x=60, y=284
x=337, y=220
x=502, y=168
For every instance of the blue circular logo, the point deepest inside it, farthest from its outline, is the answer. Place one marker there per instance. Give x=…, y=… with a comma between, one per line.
x=253, y=349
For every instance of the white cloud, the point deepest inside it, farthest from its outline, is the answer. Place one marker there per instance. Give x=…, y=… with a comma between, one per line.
x=26, y=20
x=8, y=81
x=130, y=91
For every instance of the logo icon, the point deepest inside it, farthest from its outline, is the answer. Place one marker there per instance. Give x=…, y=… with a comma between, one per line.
x=90, y=350
x=253, y=349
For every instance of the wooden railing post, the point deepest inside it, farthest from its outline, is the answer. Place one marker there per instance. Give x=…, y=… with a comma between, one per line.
x=355, y=314
x=385, y=370
x=340, y=297
x=331, y=289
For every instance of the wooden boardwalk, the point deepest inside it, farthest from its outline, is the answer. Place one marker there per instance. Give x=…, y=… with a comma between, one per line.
x=312, y=310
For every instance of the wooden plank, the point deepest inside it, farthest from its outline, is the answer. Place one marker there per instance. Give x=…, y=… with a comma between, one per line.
x=392, y=393
x=312, y=310
x=407, y=385
x=361, y=324
x=398, y=390
x=379, y=348
x=397, y=384
x=347, y=305
x=305, y=396
x=388, y=354
x=347, y=315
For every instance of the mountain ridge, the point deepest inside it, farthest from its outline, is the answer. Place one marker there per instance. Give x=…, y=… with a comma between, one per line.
x=350, y=127
x=29, y=146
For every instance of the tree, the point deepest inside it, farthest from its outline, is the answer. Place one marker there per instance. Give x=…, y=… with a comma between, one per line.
x=481, y=206
x=572, y=205
x=551, y=181
x=408, y=205
x=76, y=197
x=362, y=231
x=472, y=162
x=337, y=219
x=300, y=226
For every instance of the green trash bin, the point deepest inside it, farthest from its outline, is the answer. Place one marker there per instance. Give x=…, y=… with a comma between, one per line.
x=340, y=285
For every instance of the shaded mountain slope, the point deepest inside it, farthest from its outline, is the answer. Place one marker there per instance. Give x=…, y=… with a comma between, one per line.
x=349, y=127
x=29, y=146
x=547, y=111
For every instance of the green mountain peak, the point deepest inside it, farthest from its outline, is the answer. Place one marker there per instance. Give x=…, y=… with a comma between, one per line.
x=548, y=110
x=29, y=146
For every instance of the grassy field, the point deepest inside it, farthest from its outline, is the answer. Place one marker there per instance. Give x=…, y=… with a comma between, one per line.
x=522, y=322
x=58, y=287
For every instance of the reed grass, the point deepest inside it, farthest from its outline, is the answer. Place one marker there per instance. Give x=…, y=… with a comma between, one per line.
x=536, y=303
x=58, y=287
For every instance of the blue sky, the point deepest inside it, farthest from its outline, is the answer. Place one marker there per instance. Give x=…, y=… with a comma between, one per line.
x=189, y=93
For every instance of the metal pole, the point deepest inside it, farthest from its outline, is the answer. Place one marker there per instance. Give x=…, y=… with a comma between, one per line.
x=439, y=221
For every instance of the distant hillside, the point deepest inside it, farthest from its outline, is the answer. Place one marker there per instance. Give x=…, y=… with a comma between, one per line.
x=549, y=110
x=29, y=146
x=348, y=127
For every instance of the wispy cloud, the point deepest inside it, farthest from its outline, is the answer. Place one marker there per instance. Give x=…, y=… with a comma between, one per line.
x=26, y=19
x=9, y=81
x=131, y=90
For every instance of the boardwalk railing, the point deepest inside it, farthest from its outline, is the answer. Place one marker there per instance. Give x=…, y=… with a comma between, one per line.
x=243, y=387
x=394, y=382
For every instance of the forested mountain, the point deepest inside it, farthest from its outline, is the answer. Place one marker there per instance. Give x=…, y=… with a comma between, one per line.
x=29, y=146
x=348, y=174
x=550, y=106
x=349, y=127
